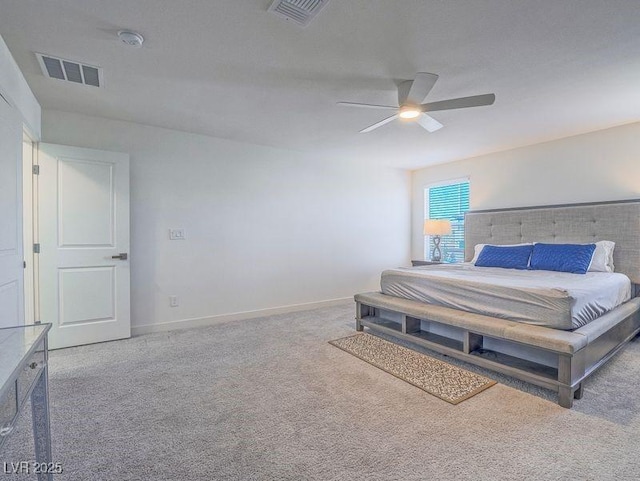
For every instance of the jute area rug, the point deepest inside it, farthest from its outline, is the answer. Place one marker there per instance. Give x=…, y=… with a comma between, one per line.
x=449, y=383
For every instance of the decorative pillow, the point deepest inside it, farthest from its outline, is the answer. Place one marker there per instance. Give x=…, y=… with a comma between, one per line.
x=574, y=258
x=602, y=260
x=508, y=257
x=478, y=248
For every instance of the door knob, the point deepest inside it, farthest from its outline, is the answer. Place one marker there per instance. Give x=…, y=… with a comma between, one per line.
x=122, y=256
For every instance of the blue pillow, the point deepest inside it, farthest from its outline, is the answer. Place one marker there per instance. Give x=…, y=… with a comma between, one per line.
x=574, y=258
x=512, y=257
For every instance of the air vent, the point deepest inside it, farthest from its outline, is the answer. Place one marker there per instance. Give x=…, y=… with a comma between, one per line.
x=61, y=69
x=298, y=11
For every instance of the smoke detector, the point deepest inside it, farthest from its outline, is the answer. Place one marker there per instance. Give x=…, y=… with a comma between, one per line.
x=297, y=11
x=70, y=70
x=132, y=39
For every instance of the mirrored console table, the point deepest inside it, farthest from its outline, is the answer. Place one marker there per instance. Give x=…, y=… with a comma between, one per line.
x=24, y=375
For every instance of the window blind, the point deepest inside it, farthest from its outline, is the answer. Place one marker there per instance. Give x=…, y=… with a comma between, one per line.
x=450, y=202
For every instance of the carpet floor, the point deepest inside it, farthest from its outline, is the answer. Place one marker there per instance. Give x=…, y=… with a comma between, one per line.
x=271, y=399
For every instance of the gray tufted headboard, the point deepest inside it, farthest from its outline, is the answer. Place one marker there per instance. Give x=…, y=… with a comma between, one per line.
x=617, y=221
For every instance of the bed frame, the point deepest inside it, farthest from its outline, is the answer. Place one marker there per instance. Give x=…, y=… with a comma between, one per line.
x=554, y=359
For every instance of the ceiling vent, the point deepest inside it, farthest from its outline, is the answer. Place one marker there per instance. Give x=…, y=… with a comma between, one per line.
x=298, y=11
x=61, y=69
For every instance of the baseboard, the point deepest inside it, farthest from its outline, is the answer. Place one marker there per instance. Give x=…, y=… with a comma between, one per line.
x=235, y=316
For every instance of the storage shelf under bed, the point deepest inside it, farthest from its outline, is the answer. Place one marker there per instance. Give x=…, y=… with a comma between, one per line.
x=421, y=337
x=491, y=359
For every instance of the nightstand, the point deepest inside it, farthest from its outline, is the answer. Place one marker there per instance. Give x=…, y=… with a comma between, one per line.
x=424, y=263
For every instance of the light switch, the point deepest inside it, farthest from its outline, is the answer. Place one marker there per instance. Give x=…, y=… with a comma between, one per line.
x=177, y=234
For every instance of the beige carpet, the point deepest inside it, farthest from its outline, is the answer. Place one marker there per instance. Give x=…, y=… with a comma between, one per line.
x=449, y=383
x=271, y=399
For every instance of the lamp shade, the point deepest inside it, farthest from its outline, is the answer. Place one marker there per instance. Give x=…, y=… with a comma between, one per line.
x=437, y=227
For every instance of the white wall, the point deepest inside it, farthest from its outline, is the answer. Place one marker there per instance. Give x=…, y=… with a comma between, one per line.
x=598, y=166
x=19, y=109
x=265, y=227
x=15, y=89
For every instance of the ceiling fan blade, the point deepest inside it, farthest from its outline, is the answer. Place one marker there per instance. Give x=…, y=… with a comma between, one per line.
x=460, y=103
x=367, y=106
x=429, y=123
x=379, y=124
x=420, y=88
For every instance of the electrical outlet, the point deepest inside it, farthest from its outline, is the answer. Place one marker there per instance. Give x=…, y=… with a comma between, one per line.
x=177, y=234
x=173, y=301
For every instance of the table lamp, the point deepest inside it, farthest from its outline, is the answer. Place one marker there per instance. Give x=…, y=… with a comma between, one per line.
x=437, y=228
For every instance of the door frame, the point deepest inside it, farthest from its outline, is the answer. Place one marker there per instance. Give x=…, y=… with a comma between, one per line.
x=29, y=225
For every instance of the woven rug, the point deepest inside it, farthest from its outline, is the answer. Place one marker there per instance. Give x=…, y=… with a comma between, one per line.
x=449, y=383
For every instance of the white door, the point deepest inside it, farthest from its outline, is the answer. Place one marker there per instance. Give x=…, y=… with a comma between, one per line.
x=11, y=267
x=83, y=226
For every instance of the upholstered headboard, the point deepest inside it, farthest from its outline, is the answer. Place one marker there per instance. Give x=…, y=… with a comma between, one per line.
x=570, y=223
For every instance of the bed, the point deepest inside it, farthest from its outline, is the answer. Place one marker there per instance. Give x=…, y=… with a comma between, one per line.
x=559, y=300
x=529, y=329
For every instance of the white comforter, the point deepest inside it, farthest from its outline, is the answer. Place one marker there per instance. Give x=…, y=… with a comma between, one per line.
x=552, y=299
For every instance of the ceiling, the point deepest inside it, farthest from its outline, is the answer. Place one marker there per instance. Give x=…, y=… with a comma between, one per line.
x=230, y=69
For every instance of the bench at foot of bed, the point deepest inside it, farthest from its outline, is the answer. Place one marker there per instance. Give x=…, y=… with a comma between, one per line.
x=574, y=355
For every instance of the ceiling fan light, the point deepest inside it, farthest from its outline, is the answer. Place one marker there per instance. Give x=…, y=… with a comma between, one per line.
x=409, y=113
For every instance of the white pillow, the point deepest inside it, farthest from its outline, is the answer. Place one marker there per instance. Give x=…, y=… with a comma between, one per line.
x=478, y=248
x=602, y=260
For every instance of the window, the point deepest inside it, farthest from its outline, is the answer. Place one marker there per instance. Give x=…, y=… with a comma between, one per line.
x=448, y=201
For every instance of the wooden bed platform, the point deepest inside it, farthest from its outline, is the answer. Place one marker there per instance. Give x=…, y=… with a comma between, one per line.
x=574, y=355
x=579, y=353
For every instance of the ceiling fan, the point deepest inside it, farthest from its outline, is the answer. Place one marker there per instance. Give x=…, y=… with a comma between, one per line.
x=411, y=94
